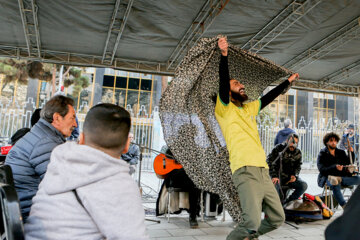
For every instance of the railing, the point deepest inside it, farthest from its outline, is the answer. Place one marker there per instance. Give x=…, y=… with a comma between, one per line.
x=310, y=136
x=147, y=129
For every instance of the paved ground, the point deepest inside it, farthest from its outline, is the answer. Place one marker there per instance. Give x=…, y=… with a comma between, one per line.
x=178, y=228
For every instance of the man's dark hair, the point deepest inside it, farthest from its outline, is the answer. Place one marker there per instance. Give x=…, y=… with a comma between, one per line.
x=58, y=104
x=293, y=135
x=329, y=136
x=107, y=126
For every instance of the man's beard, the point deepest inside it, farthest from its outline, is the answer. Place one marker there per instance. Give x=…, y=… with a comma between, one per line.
x=239, y=97
x=331, y=147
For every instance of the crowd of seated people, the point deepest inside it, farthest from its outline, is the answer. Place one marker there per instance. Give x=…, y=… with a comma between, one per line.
x=70, y=190
x=85, y=184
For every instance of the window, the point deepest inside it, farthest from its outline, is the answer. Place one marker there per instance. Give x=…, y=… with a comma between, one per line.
x=284, y=106
x=108, y=81
x=134, y=83
x=324, y=107
x=121, y=82
x=120, y=97
x=146, y=85
x=129, y=90
x=132, y=100
x=145, y=100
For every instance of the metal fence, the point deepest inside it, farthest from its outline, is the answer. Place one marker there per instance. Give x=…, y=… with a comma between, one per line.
x=148, y=133
x=310, y=136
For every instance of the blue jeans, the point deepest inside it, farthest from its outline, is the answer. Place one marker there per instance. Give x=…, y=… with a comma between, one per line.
x=299, y=186
x=346, y=181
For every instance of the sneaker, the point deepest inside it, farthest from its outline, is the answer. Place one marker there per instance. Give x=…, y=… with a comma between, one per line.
x=334, y=180
x=193, y=222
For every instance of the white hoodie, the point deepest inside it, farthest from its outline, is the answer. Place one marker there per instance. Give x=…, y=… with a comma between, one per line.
x=105, y=188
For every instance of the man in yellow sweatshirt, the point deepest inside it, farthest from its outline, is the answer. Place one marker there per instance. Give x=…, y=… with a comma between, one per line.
x=247, y=157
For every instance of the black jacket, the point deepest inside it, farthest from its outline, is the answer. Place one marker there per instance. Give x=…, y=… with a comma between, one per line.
x=326, y=164
x=291, y=163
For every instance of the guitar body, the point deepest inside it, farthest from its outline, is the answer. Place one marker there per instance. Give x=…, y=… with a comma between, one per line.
x=164, y=165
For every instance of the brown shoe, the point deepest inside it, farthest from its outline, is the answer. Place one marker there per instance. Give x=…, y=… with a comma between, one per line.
x=193, y=222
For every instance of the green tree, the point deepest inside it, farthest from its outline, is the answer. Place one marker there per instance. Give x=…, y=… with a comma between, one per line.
x=20, y=71
x=74, y=77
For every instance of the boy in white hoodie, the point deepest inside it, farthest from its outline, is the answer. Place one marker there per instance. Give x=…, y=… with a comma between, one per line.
x=87, y=192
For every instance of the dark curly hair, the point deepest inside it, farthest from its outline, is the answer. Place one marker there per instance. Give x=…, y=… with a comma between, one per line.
x=329, y=136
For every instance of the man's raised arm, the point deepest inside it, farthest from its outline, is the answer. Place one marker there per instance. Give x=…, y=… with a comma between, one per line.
x=270, y=96
x=224, y=83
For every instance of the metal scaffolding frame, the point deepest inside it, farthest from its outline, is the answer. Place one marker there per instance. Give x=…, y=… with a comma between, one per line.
x=28, y=12
x=320, y=86
x=343, y=74
x=335, y=40
x=109, y=53
x=201, y=23
x=85, y=60
x=287, y=17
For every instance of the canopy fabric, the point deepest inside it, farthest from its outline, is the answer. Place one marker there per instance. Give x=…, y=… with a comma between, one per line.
x=76, y=32
x=188, y=119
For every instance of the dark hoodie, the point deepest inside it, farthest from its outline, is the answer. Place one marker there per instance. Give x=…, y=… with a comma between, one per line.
x=282, y=135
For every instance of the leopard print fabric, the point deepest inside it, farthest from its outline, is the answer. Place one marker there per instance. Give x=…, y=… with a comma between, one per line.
x=188, y=118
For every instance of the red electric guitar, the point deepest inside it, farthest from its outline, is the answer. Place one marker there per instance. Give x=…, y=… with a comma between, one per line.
x=163, y=165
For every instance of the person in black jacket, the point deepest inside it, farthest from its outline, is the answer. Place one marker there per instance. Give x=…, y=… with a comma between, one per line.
x=333, y=164
x=291, y=166
x=178, y=178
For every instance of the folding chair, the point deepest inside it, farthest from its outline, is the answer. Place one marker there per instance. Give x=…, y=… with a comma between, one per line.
x=11, y=220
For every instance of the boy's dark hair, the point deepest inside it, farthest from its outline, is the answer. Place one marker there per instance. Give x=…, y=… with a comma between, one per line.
x=58, y=104
x=329, y=136
x=107, y=126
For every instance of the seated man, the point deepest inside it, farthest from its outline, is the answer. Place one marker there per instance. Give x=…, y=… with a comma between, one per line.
x=177, y=178
x=30, y=156
x=87, y=192
x=291, y=166
x=132, y=155
x=334, y=168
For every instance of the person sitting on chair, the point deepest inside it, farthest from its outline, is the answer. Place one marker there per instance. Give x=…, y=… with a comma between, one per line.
x=178, y=178
x=334, y=166
x=291, y=166
x=132, y=155
x=87, y=192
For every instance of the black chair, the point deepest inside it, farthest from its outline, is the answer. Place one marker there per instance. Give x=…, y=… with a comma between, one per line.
x=171, y=189
x=11, y=225
x=6, y=175
x=11, y=215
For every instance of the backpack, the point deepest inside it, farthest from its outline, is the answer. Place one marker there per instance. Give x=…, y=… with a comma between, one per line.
x=327, y=213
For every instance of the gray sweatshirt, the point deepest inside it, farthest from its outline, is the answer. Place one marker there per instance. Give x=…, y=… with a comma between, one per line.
x=111, y=200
